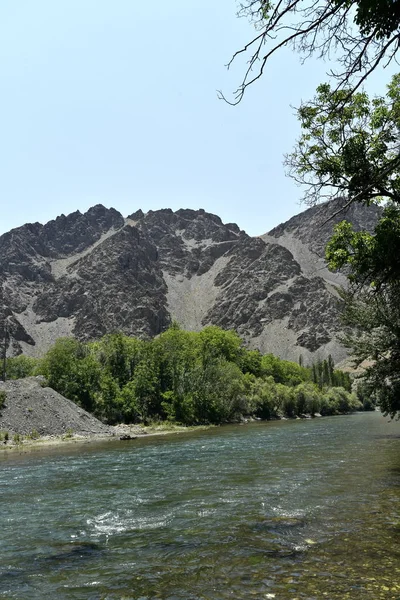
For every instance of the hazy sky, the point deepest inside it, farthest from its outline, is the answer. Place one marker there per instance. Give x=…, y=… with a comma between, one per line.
x=114, y=102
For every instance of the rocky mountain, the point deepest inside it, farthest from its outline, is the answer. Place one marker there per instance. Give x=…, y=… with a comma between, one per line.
x=93, y=273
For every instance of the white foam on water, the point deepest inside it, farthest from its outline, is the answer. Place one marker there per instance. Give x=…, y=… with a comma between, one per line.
x=206, y=512
x=112, y=524
x=290, y=514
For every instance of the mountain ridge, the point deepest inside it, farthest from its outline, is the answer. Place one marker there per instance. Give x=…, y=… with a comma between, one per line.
x=87, y=274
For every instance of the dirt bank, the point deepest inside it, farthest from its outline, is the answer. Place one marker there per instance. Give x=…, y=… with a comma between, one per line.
x=29, y=407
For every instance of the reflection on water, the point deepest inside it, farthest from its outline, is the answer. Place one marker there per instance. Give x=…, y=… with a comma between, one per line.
x=286, y=510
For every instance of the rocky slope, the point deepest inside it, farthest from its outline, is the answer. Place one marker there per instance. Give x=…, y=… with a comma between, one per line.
x=30, y=407
x=88, y=274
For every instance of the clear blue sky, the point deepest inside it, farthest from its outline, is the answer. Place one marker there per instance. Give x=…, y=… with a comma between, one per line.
x=114, y=102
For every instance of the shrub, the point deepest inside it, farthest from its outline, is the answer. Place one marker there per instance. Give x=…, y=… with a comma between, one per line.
x=3, y=397
x=307, y=398
x=263, y=398
x=21, y=366
x=4, y=436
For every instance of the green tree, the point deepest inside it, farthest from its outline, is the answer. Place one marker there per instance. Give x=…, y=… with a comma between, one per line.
x=21, y=366
x=72, y=371
x=118, y=355
x=218, y=391
x=373, y=338
x=252, y=362
x=349, y=146
x=371, y=304
x=109, y=405
x=307, y=397
x=217, y=343
x=354, y=151
x=176, y=352
x=146, y=389
x=283, y=371
x=263, y=398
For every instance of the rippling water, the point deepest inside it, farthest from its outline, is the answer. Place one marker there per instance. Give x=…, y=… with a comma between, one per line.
x=291, y=509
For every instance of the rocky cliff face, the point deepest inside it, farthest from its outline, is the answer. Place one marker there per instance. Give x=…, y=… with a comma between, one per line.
x=88, y=274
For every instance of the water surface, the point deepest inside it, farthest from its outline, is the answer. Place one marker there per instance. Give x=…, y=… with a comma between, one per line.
x=285, y=510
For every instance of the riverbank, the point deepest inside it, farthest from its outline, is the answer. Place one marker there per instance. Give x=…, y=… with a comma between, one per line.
x=122, y=433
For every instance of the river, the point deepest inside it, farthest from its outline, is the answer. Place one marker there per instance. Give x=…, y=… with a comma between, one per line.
x=285, y=510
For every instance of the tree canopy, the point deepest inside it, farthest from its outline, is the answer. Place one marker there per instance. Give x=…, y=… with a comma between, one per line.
x=186, y=377
x=372, y=303
x=359, y=34
x=354, y=151
x=349, y=147
x=350, y=150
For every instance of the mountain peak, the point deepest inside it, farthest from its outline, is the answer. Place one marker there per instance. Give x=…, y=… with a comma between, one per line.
x=86, y=274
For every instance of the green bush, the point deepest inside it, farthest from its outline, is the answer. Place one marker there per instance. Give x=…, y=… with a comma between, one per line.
x=21, y=366
x=4, y=436
x=3, y=398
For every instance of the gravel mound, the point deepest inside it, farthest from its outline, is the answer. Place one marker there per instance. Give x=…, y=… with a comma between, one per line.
x=29, y=406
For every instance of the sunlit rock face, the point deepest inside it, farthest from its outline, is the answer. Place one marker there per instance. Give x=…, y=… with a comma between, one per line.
x=89, y=274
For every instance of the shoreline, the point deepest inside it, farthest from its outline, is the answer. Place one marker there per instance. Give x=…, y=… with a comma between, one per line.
x=121, y=433
x=118, y=433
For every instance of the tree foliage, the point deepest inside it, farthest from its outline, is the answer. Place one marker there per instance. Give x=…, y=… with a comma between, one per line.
x=355, y=151
x=373, y=337
x=371, y=257
x=19, y=366
x=185, y=377
x=359, y=34
x=349, y=150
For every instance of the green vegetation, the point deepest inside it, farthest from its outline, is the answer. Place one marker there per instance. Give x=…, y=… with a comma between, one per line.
x=324, y=375
x=355, y=151
x=190, y=378
x=33, y=435
x=4, y=436
x=351, y=151
x=3, y=398
x=350, y=148
x=19, y=366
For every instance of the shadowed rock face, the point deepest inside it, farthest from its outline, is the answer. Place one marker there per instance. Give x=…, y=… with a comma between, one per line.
x=93, y=273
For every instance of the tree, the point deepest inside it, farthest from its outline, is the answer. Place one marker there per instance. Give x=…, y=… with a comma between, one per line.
x=371, y=258
x=361, y=34
x=217, y=343
x=118, y=355
x=21, y=366
x=354, y=151
x=72, y=371
x=283, y=371
x=351, y=150
x=373, y=320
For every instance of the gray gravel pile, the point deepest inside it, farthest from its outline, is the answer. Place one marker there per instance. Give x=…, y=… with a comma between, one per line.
x=31, y=407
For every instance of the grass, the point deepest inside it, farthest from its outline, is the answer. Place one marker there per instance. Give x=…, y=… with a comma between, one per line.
x=171, y=427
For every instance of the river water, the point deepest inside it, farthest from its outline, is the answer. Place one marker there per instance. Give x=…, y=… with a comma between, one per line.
x=286, y=510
